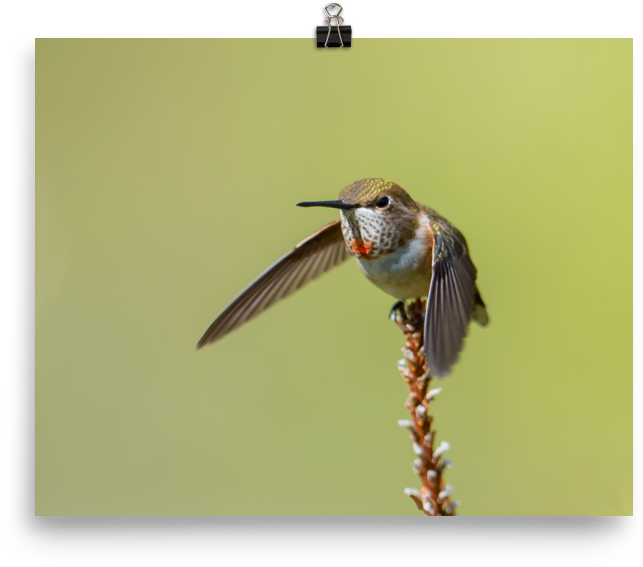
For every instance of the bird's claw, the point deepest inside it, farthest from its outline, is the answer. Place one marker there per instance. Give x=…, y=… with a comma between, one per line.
x=397, y=309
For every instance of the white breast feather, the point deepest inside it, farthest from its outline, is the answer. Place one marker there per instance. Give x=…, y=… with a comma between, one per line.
x=404, y=273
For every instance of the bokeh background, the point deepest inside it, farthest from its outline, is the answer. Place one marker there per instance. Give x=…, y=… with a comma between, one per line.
x=166, y=175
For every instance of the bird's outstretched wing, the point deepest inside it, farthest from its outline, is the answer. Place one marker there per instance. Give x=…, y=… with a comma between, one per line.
x=453, y=295
x=307, y=261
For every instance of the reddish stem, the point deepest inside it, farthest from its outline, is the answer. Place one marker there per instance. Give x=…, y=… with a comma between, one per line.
x=428, y=466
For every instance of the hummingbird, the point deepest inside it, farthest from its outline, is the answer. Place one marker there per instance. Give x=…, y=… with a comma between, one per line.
x=403, y=247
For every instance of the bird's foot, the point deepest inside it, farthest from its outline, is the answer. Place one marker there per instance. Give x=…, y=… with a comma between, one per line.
x=397, y=312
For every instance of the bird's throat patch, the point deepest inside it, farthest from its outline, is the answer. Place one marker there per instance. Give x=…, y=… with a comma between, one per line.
x=360, y=247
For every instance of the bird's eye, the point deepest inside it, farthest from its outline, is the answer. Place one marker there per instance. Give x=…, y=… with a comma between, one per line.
x=382, y=202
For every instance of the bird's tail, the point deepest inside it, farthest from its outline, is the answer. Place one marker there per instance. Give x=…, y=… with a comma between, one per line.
x=480, y=313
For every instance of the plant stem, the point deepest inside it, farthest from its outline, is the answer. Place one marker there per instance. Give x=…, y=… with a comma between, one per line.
x=433, y=498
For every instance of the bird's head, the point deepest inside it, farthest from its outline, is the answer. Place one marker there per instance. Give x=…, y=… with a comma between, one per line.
x=378, y=216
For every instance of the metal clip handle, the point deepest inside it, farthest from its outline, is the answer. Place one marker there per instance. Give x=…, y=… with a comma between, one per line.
x=338, y=19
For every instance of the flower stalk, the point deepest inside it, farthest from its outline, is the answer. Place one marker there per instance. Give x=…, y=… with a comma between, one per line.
x=433, y=499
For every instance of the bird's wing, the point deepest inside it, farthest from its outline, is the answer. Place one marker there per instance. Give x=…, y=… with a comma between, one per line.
x=450, y=304
x=307, y=261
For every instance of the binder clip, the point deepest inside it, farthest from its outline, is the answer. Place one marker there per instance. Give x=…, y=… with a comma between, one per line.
x=338, y=37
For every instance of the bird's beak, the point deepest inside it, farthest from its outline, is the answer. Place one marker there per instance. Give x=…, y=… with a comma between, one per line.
x=331, y=204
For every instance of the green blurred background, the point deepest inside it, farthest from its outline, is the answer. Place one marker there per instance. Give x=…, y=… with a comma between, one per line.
x=167, y=176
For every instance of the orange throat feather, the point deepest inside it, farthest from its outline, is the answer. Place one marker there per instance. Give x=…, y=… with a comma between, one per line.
x=361, y=248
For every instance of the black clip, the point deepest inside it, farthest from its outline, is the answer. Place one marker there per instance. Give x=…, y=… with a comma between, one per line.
x=326, y=37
